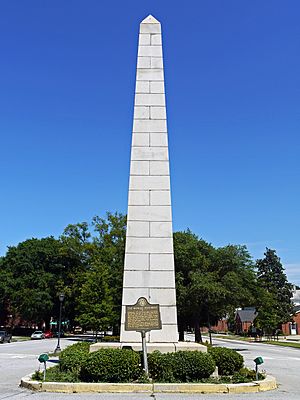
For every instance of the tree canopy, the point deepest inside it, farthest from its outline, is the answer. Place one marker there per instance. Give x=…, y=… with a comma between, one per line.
x=274, y=303
x=86, y=263
x=211, y=282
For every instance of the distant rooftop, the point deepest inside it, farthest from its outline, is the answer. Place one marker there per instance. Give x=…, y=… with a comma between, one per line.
x=248, y=314
x=296, y=309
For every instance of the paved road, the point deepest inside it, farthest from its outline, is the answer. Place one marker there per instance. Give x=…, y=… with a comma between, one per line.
x=19, y=359
x=281, y=362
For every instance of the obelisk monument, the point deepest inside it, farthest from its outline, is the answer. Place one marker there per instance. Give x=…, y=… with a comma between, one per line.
x=149, y=258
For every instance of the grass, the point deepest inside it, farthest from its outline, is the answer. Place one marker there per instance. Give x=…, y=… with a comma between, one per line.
x=20, y=338
x=247, y=339
x=53, y=374
x=231, y=337
x=284, y=344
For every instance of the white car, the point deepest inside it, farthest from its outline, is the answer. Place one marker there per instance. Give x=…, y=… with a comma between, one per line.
x=38, y=335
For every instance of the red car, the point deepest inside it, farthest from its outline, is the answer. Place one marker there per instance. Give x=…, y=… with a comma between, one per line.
x=48, y=334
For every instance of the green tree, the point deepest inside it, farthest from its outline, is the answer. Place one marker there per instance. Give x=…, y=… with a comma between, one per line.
x=94, y=304
x=275, y=305
x=5, y=292
x=78, y=251
x=36, y=270
x=101, y=242
x=211, y=283
x=33, y=269
x=191, y=256
x=109, y=239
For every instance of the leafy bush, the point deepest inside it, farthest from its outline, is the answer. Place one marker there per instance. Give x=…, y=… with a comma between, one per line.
x=72, y=358
x=246, y=375
x=192, y=366
x=182, y=366
x=111, y=365
x=37, y=376
x=161, y=366
x=228, y=361
x=54, y=374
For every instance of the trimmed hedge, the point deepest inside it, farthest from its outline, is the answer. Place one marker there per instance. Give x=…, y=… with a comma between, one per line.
x=182, y=366
x=124, y=365
x=161, y=367
x=73, y=357
x=227, y=360
x=111, y=365
x=192, y=365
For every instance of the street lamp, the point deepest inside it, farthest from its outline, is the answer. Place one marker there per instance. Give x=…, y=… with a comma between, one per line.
x=61, y=299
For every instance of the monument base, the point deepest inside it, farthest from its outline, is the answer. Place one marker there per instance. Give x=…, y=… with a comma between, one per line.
x=162, y=347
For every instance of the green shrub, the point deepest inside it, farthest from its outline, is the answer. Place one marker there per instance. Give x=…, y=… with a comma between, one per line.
x=228, y=361
x=191, y=366
x=72, y=358
x=54, y=374
x=161, y=366
x=246, y=375
x=182, y=366
x=111, y=365
x=37, y=376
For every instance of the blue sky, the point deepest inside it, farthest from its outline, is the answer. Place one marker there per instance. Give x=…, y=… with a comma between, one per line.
x=67, y=76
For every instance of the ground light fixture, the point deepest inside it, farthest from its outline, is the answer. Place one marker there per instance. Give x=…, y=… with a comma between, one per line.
x=43, y=358
x=258, y=361
x=61, y=297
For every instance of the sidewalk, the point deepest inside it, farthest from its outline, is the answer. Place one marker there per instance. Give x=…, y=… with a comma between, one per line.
x=293, y=338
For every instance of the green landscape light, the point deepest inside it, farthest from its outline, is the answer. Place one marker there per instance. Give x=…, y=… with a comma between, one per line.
x=42, y=359
x=258, y=361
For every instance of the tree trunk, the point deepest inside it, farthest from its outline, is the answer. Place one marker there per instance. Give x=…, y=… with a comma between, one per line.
x=116, y=330
x=181, y=333
x=198, y=336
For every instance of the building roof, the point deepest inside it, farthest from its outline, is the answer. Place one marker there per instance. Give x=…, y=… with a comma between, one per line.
x=248, y=314
x=296, y=309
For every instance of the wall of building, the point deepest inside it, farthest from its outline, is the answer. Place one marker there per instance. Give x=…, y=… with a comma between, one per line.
x=286, y=328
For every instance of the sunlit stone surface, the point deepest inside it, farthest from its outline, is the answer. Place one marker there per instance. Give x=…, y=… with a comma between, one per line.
x=149, y=259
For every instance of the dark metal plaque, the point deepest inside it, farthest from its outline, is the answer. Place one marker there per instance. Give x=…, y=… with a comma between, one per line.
x=142, y=316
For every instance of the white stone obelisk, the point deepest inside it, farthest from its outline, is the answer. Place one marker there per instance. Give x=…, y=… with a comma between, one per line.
x=149, y=258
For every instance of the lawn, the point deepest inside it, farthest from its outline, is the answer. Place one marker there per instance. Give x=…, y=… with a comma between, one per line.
x=284, y=344
x=247, y=339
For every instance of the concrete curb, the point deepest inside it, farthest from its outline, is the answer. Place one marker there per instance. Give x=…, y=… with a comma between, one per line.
x=65, y=387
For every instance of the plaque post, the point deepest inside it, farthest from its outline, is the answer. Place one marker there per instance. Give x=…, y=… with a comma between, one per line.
x=144, y=346
x=143, y=317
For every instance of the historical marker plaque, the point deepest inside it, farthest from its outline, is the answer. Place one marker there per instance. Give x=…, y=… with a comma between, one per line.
x=142, y=316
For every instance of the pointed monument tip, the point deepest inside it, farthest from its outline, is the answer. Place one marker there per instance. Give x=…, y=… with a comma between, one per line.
x=150, y=20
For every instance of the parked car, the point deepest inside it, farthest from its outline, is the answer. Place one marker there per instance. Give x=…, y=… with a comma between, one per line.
x=48, y=334
x=5, y=337
x=78, y=329
x=38, y=335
